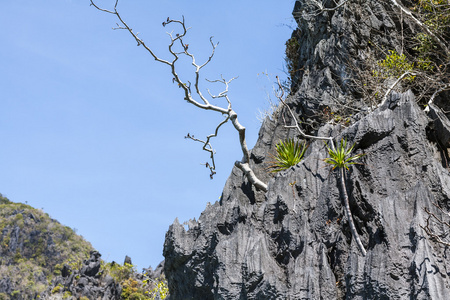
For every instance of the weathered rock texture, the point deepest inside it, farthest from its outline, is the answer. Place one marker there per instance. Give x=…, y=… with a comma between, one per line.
x=294, y=242
x=87, y=282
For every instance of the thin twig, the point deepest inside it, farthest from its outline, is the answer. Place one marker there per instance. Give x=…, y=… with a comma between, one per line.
x=203, y=103
x=296, y=125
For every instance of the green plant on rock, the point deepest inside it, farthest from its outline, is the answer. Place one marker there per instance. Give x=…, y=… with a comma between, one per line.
x=434, y=13
x=119, y=272
x=15, y=293
x=131, y=290
x=288, y=154
x=342, y=158
x=292, y=54
x=4, y=200
x=394, y=65
x=160, y=290
x=292, y=61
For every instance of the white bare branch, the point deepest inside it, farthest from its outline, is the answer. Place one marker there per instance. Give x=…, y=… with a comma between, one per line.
x=423, y=26
x=323, y=8
x=444, y=88
x=203, y=103
x=296, y=125
x=385, y=97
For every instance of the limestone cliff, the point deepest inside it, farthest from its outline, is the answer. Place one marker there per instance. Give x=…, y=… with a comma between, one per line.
x=294, y=242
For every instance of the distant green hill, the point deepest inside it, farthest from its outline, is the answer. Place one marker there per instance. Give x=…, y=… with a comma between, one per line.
x=33, y=249
x=42, y=259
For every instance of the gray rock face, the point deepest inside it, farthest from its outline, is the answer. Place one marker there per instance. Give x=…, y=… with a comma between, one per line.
x=336, y=44
x=86, y=282
x=294, y=241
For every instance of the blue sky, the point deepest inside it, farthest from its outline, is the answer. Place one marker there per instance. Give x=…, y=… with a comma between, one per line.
x=92, y=128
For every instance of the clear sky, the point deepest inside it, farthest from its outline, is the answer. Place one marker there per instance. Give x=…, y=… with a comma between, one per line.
x=92, y=128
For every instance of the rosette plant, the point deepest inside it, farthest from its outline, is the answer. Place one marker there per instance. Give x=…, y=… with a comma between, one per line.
x=340, y=157
x=288, y=154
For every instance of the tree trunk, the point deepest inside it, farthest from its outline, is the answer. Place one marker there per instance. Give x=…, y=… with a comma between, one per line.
x=349, y=215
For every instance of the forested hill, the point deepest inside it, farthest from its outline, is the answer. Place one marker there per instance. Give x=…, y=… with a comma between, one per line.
x=43, y=259
x=33, y=249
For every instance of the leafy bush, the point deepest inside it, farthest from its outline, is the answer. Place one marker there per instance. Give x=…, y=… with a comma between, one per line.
x=288, y=154
x=292, y=57
x=161, y=289
x=119, y=272
x=57, y=288
x=434, y=13
x=130, y=289
x=4, y=200
x=394, y=65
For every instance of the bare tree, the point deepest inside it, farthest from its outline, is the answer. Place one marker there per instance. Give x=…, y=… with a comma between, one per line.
x=178, y=48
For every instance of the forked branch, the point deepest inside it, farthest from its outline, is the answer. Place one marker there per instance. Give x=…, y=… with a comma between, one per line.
x=178, y=48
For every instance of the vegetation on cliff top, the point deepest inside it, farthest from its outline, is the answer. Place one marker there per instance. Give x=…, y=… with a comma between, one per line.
x=33, y=249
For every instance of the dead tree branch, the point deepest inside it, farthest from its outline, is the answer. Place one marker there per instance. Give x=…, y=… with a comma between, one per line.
x=385, y=97
x=433, y=235
x=296, y=125
x=422, y=26
x=348, y=212
x=323, y=8
x=444, y=88
x=177, y=42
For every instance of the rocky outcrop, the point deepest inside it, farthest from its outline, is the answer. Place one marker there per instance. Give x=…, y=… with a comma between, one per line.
x=96, y=279
x=87, y=281
x=294, y=241
x=42, y=259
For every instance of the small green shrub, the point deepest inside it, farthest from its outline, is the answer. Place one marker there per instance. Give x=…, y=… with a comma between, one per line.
x=162, y=289
x=4, y=200
x=129, y=287
x=136, y=296
x=288, y=154
x=292, y=61
x=119, y=272
x=340, y=157
x=394, y=65
x=17, y=257
x=15, y=293
x=434, y=13
x=57, y=289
